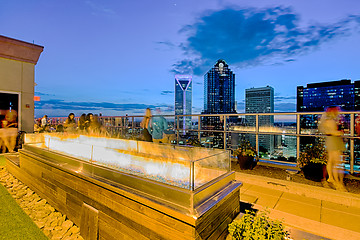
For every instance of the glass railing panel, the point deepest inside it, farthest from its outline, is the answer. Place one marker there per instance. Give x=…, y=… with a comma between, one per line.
x=285, y=124
x=213, y=165
x=234, y=139
x=357, y=154
x=212, y=140
x=241, y=123
x=283, y=149
x=309, y=123
x=71, y=146
x=305, y=140
x=165, y=169
x=214, y=123
x=346, y=154
x=344, y=124
x=187, y=137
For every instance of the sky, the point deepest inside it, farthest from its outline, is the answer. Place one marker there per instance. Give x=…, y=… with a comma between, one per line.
x=119, y=57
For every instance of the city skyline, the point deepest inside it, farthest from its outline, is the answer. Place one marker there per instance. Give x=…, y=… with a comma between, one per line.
x=119, y=58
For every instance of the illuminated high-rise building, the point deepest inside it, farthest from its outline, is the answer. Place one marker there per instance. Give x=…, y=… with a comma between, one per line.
x=261, y=100
x=219, y=89
x=219, y=97
x=183, y=99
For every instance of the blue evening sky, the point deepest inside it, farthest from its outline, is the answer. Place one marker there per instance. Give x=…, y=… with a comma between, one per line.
x=119, y=57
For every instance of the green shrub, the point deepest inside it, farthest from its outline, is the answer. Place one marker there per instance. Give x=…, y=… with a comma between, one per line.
x=251, y=227
x=313, y=153
x=245, y=149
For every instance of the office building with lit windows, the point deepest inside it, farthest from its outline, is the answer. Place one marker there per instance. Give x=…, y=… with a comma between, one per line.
x=219, y=89
x=183, y=100
x=316, y=97
x=219, y=97
x=261, y=100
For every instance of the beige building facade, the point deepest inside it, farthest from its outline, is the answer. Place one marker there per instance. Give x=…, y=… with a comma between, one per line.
x=17, y=79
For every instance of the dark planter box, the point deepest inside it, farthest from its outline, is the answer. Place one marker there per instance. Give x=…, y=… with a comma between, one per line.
x=315, y=171
x=246, y=162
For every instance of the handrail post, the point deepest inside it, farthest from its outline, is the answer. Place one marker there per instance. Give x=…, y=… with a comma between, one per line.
x=177, y=130
x=298, y=135
x=199, y=128
x=225, y=140
x=352, y=134
x=257, y=133
x=132, y=126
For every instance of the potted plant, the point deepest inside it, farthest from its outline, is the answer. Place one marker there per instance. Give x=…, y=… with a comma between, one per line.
x=246, y=154
x=259, y=226
x=312, y=161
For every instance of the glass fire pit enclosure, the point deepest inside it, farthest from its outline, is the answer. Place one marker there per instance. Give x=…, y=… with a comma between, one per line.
x=182, y=177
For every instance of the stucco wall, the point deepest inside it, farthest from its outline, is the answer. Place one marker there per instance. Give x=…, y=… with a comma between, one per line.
x=18, y=77
x=17, y=65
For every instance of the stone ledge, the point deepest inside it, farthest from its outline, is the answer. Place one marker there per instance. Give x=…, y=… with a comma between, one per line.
x=343, y=198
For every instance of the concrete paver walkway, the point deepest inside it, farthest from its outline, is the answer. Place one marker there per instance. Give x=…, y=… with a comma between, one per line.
x=320, y=211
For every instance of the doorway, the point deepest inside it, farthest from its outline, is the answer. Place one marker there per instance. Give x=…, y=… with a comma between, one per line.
x=8, y=102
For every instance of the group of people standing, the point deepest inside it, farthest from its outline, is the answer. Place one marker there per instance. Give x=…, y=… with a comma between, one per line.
x=155, y=128
x=87, y=123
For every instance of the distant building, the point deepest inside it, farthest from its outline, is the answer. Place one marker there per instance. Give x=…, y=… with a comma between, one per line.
x=261, y=100
x=315, y=97
x=17, y=68
x=183, y=99
x=219, y=97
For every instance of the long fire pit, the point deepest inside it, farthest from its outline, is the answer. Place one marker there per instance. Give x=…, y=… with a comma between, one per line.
x=150, y=190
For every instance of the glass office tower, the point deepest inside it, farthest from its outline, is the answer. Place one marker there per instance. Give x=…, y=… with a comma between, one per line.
x=219, y=97
x=260, y=100
x=219, y=89
x=183, y=99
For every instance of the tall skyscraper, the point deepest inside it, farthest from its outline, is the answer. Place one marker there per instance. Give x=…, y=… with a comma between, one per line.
x=219, y=89
x=261, y=100
x=219, y=97
x=183, y=99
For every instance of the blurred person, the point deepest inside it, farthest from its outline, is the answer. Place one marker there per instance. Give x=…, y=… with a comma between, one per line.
x=95, y=127
x=88, y=121
x=69, y=124
x=357, y=125
x=145, y=124
x=158, y=125
x=37, y=125
x=334, y=146
x=44, y=121
x=169, y=136
x=9, y=130
x=81, y=122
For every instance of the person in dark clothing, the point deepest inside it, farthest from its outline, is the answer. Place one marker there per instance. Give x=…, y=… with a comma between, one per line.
x=81, y=122
x=70, y=124
x=145, y=124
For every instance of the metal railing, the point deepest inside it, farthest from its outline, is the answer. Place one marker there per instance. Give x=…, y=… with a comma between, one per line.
x=277, y=131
